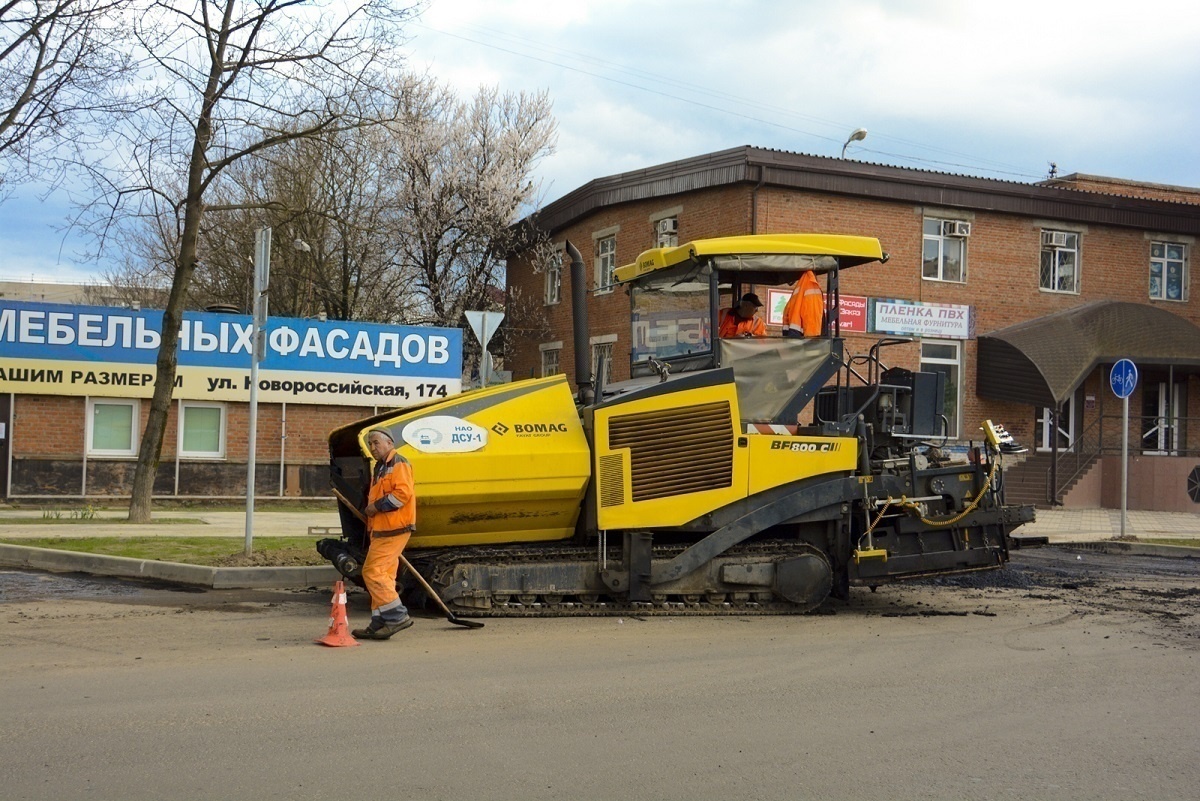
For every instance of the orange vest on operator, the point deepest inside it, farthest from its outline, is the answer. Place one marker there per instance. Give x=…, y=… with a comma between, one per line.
x=734, y=325
x=805, y=308
x=392, y=493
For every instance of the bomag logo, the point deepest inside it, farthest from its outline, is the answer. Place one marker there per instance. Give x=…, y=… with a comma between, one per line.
x=531, y=429
x=804, y=447
x=540, y=428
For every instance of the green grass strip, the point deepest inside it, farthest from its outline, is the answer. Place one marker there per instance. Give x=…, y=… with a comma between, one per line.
x=188, y=550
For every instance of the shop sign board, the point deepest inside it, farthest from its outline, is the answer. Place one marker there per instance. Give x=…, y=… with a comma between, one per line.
x=916, y=319
x=57, y=349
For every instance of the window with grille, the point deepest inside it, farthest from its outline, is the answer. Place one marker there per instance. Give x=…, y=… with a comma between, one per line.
x=550, y=362
x=1060, y=261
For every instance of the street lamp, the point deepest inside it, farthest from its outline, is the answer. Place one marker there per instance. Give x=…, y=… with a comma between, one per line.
x=858, y=135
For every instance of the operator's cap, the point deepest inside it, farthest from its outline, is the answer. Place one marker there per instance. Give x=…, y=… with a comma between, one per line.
x=750, y=297
x=383, y=431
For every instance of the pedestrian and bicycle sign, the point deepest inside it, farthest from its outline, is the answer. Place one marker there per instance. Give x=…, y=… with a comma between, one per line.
x=1123, y=378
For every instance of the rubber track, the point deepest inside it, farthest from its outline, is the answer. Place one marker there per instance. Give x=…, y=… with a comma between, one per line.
x=438, y=566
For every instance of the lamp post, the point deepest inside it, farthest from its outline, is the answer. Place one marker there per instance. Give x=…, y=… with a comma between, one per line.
x=258, y=328
x=857, y=135
x=258, y=324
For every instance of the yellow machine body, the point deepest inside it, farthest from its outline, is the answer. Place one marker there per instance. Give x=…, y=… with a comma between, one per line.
x=671, y=457
x=525, y=484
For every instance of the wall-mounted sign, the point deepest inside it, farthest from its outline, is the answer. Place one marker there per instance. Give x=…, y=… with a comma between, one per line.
x=55, y=349
x=853, y=313
x=912, y=318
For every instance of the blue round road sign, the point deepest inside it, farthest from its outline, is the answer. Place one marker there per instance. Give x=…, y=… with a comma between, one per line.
x=1123, y=378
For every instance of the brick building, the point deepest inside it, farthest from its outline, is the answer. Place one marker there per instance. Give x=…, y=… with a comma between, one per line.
x=1025, y=266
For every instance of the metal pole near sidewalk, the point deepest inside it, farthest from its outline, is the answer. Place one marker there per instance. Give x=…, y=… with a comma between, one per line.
x=262, y=267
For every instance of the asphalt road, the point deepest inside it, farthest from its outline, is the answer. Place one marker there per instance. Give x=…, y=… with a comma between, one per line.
x=1058, y=678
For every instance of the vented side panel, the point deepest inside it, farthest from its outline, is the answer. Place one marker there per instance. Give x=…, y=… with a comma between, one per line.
x=612, y=480
x=676, y=451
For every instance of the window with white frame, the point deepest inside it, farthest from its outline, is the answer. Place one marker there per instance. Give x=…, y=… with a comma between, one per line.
x=602, y=353
x=112, y=427
x=554, y=281
x=1168, y=271
x=606, y=263
x=1060, y=261
x=666, y=232
x=550, y=354
x=944, y=250
x=201, y=430
x=945, y=356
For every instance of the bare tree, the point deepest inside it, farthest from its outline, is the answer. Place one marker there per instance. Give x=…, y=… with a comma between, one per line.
x=402, y=223
x=56, y=57
x=227, y=80
x=464, y=179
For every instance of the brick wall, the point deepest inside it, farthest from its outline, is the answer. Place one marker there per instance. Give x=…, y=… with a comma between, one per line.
x=1002, y=285
x=49, y=442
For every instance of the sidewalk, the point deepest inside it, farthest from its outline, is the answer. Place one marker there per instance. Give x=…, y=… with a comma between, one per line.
x=1059, y=525
x=1085, y=528
x=1091, y=525
x=112, y=523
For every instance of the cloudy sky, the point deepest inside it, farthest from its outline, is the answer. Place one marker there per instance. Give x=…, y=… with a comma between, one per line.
x=982, y=88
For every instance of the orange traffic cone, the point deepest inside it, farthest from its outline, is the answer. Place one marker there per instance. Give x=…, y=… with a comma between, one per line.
x=339, y=627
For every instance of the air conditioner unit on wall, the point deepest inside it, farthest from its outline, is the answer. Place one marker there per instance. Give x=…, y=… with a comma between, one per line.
x=668, y=226
x=955, y=228
x=1054, y=239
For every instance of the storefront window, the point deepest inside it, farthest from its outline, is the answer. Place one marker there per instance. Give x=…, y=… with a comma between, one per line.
x=112, y=427
x=202, y=430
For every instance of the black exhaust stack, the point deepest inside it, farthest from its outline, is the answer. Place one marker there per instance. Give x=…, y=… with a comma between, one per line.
x=579, y=322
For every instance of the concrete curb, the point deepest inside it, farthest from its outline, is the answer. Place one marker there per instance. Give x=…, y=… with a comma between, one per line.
x=1133, y=549
x=217, y=578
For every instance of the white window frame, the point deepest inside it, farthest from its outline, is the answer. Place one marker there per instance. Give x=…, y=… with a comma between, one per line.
x=605, y=260
x=553, y=282
x=1164, y=265
x=602, y=347
x=957, y=362
x=135, y=408
x=184, y=405
x=941, y=239
x=1055, y=278
x=546, y=350
x=665, y=240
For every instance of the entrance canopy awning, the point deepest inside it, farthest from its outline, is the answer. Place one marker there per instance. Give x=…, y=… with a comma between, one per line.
x=1042, y=362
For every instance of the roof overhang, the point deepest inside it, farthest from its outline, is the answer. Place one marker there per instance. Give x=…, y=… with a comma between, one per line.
x=1043, y=361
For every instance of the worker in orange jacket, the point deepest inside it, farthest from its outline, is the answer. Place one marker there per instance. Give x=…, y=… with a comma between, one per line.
x=805, y=309
x=391, y=517
x=742, y=319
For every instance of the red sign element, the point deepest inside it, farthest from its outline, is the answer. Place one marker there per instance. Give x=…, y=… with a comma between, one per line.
x=852, y=312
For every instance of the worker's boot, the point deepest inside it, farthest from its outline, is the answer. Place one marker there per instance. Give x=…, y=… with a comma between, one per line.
x=379, y=629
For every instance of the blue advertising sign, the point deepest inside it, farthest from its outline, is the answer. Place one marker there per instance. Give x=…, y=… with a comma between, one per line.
x=1123, y=378
x=93, y=350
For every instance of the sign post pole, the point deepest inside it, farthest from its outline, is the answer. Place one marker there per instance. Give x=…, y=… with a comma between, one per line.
x=262, y=268
x=1123, y=379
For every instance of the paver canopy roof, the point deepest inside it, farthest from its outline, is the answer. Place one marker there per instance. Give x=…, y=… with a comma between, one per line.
x=1041, y=362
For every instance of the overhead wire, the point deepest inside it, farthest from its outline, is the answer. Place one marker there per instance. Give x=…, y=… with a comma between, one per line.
x=967, y=161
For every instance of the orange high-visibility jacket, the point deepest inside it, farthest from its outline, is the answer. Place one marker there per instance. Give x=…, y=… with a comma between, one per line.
x=392, y=493
x=734, y=326
x=806, y=307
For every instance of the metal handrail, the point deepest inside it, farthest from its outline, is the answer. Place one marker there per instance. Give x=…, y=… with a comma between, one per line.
x=1092, y=443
